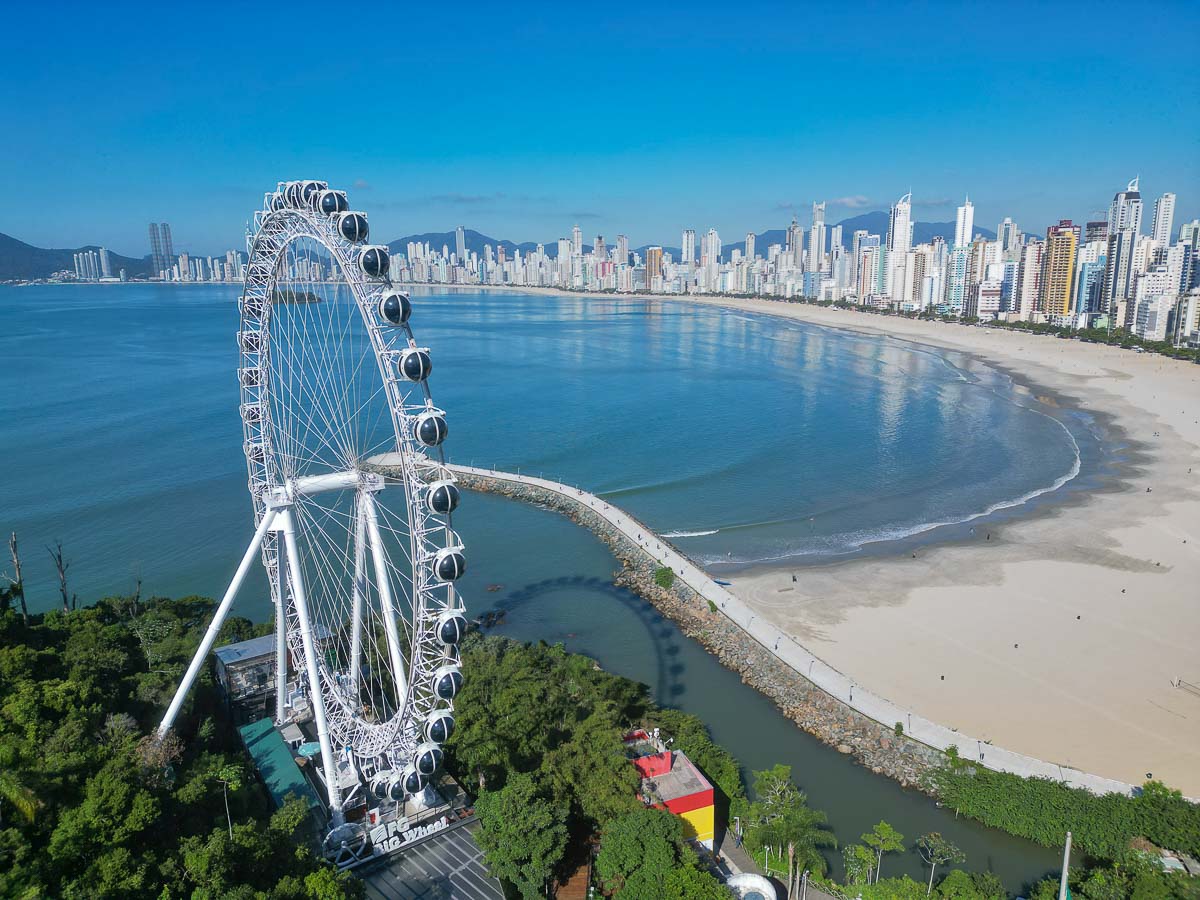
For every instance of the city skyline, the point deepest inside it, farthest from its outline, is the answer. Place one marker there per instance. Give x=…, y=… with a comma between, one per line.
x=176, y=122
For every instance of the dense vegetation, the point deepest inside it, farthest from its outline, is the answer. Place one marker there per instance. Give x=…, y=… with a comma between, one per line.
x=92, y=807
x=1118, y=337
x=540, y=735
x=1043, y=811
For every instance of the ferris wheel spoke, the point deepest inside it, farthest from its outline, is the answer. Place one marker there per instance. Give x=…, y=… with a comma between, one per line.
x=361, y=573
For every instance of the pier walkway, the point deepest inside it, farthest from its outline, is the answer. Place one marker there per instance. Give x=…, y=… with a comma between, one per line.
x=785, y=648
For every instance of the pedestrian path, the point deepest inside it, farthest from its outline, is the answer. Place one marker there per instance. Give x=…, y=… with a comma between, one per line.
x=789, y=651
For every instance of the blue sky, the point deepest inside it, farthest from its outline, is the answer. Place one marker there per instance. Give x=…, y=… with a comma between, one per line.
x=520, y=119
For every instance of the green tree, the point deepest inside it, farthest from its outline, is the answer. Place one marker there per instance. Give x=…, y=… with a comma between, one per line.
x=780, y=817
x=592, y=772
x=14, y=792
x=690, y=882
x=859, y=862
x=523, y=835
x=638, y=852
x=883, y=838
x=230, y=778
x=937, y=851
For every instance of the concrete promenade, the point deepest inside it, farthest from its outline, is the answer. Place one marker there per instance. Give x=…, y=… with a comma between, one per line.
x=801, y=660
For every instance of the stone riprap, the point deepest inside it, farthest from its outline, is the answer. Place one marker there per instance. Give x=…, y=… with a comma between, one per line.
x=806, y=704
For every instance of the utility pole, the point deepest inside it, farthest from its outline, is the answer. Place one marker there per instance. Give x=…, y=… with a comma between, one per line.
x=1062, y=882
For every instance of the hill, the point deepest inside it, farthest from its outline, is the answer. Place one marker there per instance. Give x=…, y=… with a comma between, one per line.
x=475, y=242
x=19, y=260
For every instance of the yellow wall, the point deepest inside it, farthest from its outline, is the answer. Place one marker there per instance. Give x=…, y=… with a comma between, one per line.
x=699, y=824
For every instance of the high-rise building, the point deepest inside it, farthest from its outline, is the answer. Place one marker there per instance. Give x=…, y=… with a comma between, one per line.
x=1095, y=231
x=899, y=242
x=964, y=225
x=1164, y=214
x=1029, y=280
x=689, y=247
x=1118, y=269
x=105, y=263
x=1189, y=236
x=168, y=246
x=654, y=258
x=577, y=241
x=1058, y=268
x=1008, y=235
x=870, y=266
x=750, y=245
x=1125, y=213
x=835, y=238
x=712, y=249
x=622, y=250
x=816, y=239
x=157, y=259
x=795, y=244
x=460, y=244
x=599, y=251
x=1089, y=277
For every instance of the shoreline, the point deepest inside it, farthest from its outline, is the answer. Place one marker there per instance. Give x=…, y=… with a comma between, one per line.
x=1063, y=635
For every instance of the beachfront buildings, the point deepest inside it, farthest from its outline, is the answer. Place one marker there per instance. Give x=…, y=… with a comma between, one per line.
x=1106, y=273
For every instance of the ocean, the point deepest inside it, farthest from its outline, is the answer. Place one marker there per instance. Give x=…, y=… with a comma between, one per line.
x=746, y=439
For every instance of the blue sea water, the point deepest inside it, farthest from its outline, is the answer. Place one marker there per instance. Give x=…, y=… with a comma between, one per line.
x=750, y=437
x=746, y=438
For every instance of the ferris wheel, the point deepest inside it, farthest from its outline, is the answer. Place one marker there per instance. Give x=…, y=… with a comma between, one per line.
x=352, y=503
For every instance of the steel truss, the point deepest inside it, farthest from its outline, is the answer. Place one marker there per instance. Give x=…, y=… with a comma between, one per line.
x=352, y=736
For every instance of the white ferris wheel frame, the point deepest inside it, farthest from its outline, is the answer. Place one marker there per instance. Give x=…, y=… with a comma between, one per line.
x=342, y=731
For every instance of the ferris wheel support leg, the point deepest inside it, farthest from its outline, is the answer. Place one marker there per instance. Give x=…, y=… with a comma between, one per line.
x=296, y=580
x=281, y=653
x=214, y=627
x=360, y=587
x=385, y=600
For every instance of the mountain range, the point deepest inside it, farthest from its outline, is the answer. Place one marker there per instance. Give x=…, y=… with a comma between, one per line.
x=872, y=222
x=19, y=260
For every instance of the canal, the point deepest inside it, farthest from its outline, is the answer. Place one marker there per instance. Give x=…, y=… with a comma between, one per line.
x=553, y=581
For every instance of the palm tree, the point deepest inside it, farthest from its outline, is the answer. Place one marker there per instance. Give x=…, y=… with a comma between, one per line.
x=802, y=832
x=13, y=790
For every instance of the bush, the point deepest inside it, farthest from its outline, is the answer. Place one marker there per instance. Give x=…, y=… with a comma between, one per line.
x=1043, y=810
x=664, y=577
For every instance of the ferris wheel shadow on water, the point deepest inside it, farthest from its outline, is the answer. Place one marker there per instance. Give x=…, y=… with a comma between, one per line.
x=665, y=640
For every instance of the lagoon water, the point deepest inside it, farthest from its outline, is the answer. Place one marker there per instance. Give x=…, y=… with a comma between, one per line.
x=749, y=438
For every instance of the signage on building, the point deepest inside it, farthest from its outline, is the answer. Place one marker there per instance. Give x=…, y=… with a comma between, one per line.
x=391, y=836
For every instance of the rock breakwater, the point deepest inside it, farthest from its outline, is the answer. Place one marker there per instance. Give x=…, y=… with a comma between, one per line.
x=824, y=716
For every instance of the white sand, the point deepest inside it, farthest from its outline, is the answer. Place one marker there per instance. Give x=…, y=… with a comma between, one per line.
x=1093, y=692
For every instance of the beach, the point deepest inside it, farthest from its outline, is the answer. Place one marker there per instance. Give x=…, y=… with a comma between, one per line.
x=1071, y=633
x=1062, y=635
